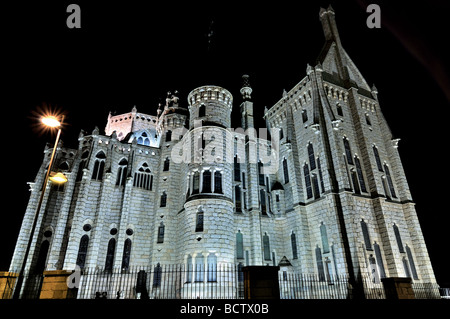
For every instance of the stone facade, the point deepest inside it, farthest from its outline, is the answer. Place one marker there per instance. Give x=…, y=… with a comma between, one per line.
x=181, y=187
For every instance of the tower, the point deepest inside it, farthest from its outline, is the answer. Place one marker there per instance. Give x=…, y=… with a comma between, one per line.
x=207, y=215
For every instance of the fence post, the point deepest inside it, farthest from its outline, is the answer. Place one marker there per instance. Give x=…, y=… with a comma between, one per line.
x=261, y=282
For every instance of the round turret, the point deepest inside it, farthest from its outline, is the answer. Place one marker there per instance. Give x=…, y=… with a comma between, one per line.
x=210, y=104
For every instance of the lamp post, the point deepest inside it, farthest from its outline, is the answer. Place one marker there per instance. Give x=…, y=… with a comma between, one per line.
x=52, y=122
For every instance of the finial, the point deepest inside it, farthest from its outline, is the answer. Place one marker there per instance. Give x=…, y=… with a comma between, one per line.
x=309, y=69
x=134, y=109
x=374, y=89
x=246, y=89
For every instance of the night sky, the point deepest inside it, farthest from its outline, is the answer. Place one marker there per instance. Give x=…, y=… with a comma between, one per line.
x=132, y=54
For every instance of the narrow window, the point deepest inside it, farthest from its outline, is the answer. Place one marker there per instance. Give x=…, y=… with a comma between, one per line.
x=406, y=267
x=206, y=182
x=199, y=267
x=168, y=136
x=320, y=176
x=163, y=201
x=362, y=184
x=379, y=257
x=398, y=238
x=324, y=237
x=82, y=165
x=189, y=269
x=339, y=109
x=390, y=183
x=315, y=186
x=42, y=258
x=377, y=158
x=304, y=116
x=196, y=183
x=373, y=269
x=319, y=262
x=411, y=263
x=366, y=236
x=166, y=164
x=199, y=221
x=157, y=275
x=110, y=255
x=348, y=152
x=285, y=171
x=266, y=245
x=281, y=133
x=261, y=174
x=126, y=254
x=294, y=246
x=218, y=182
x=237, y=198
x=243, y=180
x=262, y=198
x=161, y=230
x=237, y=169
x=312, y=159
x=202, y=111
x=82, y=251
x=368, y=122
x=239, y=245
x=307, y=182
x=122, y=173
x=212, y=267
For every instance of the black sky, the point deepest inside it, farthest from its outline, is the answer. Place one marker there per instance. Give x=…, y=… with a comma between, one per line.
x=132, y=54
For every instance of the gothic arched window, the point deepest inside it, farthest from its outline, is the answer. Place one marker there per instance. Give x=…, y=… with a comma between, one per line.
x=82, y=165
x=161, y=230
x=126, y=254
x=166, y=164
x=294, y=246
x=309, y=193
x=348, y=152
x=377, y=158
x=163, y=201
x=362, y=184
x=366, y=235
x=398, y=238
x=312, y=159
x=82, y=251
x=99, y=166
x=143, y=178
x=411, y=263
x=389, y=180
x=122, y=173
x=196, y=183
x=110, y=254
x=199, y=221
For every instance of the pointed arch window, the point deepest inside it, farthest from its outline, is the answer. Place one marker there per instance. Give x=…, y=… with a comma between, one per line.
x=126, y=254
x=294, y=246
x=99, y=166
x=143, y=178
x=212, y=267
x=389, y=180
x=398, y=238
x=379, y=258
x=348, y=152
x=239, y=245
x=218, y=182
x=362, y=184
x=122, y=173
x=285, y=171
x=309, y=193
x=366, y=235
x=199, y=267
x=82, y=166
x=324, y=237
x=266, y=246
x=312, y=159
x=157, y=275
x=82, y=251
x=411, y=263
x=377, y=158
x=110, y=254
x=143, y=139
x=262, y=199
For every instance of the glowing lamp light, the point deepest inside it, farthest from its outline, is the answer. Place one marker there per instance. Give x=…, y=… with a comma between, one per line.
x=58, y=178
x=50, y=121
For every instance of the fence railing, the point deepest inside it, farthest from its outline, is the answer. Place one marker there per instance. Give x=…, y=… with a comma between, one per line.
x=164, y=282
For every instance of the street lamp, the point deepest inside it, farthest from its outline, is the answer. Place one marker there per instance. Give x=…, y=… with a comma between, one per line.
x=51, y=122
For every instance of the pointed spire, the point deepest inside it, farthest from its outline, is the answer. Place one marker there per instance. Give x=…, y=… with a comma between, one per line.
x=329, y=25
